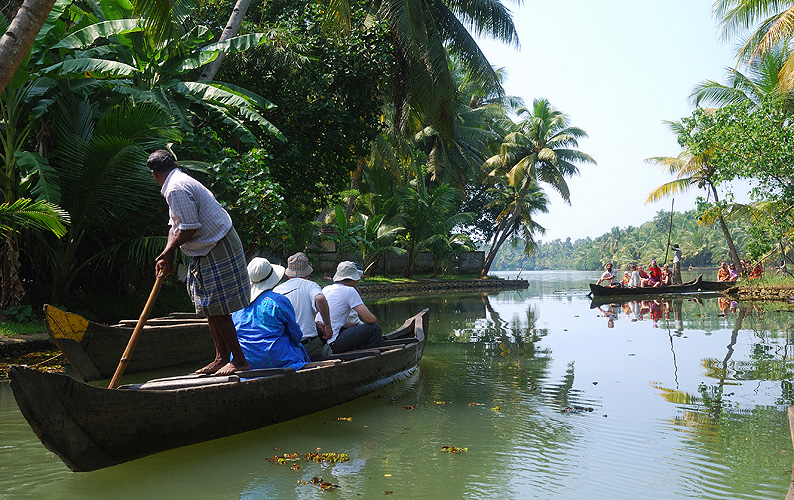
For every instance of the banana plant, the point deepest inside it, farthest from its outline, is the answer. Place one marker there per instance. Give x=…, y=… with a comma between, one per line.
x=110, y=49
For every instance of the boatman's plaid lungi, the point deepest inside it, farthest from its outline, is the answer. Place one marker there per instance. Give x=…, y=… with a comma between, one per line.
x=218, y=282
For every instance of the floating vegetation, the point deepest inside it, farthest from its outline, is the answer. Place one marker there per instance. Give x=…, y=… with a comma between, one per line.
x=412, y=407
x=476, y=404
x=50, y=361
x=326, y=457
x=318, y=481
x=496, y=408
x=318, y=457
x=344, y=419
x=285, y=459
x=576, y=409
x=440, y=403
x=453, y=449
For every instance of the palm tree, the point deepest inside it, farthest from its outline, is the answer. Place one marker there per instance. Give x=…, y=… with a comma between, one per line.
x=533, y=201
x=691, y=170
x=541, y=148
x=105, y=186
x=19, y=37
x=24, y=213
x=427, y=214
x=774, y=28
x=761, y=83
x=479, y=112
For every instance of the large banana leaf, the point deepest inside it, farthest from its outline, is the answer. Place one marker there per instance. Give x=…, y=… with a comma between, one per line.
x=85, y=37
x=95, y=67
x=52, y=18
x=259, y=100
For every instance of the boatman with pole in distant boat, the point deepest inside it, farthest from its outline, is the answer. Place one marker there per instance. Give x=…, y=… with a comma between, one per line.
x=677, y=265
x=217, y=278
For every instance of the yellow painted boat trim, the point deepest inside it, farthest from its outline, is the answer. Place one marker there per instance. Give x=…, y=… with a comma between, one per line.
x=65, y=325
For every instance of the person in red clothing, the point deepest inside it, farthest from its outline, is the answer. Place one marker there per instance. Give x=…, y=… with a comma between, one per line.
x=654, y=274
x=643, y=276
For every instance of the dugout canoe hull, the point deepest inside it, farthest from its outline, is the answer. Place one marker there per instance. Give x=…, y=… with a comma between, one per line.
x=716, y=286
x=94, y=350
x=605, y=291
x=91, y=428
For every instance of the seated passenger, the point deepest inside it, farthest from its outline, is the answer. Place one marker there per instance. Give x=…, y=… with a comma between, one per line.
x=353, y=325
x=308, y=300
x=266, y=329
x=626, y=279
x=733, y=274
x=667, y=275
x=654, y=275
x=722, y=273
x=609, y=277
x=634, y=282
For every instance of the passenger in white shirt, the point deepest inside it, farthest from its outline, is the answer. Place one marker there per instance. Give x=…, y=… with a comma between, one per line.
x=344, y=302
x=308, y=300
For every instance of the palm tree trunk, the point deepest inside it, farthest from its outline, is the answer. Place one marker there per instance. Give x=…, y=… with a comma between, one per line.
x=725, y=232
x=12, y=292
x=355, y=183
x=509, y=227
x=410, y=264
x=231, y=30
x=20, y=35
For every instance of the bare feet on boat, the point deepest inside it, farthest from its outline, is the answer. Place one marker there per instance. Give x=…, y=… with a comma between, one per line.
x=211, y=368
x=232, y=367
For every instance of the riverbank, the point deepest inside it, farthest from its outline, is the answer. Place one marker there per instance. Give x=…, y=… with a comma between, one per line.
x=764, y=293
x=18, y=345
x=439, y=286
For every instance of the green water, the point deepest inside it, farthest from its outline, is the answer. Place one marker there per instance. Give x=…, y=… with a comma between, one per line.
x=687, y=401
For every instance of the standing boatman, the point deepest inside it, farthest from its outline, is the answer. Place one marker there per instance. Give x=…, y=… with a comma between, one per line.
x=217, y=278
x=677, y=265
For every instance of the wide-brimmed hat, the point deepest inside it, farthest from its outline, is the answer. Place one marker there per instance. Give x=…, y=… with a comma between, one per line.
x=298, y=266
x=263, y=276
x=347, y=270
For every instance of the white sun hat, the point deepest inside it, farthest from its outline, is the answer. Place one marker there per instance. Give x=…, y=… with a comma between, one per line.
x=263, y=276
x=347, y=270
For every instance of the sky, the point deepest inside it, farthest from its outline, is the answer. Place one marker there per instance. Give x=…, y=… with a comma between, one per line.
x=618, y=69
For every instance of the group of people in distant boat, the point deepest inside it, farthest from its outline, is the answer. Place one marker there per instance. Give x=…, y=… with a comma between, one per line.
x=657, y=276
x=255, y=322
x=637, y=276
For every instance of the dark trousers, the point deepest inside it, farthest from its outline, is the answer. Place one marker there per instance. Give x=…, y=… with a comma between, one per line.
x=357, y=337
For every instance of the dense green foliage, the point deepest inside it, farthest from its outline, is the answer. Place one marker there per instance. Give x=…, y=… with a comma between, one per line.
x=328, y=92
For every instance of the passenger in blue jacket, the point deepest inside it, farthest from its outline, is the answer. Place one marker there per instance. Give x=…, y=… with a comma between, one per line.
x=266, y=329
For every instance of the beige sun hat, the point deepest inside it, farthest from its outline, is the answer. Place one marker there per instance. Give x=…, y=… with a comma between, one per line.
x=263, y=276
x=347, y=270
x=298, y=266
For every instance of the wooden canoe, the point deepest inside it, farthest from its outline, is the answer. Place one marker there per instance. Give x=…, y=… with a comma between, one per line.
x=606, y=291
x=716, y=286
x=92, y=427
x=94, y=350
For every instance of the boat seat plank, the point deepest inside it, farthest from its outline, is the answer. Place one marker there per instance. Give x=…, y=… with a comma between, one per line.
x=167, y=385
x=321, y=364
x=185, y=315
x=351, y=355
